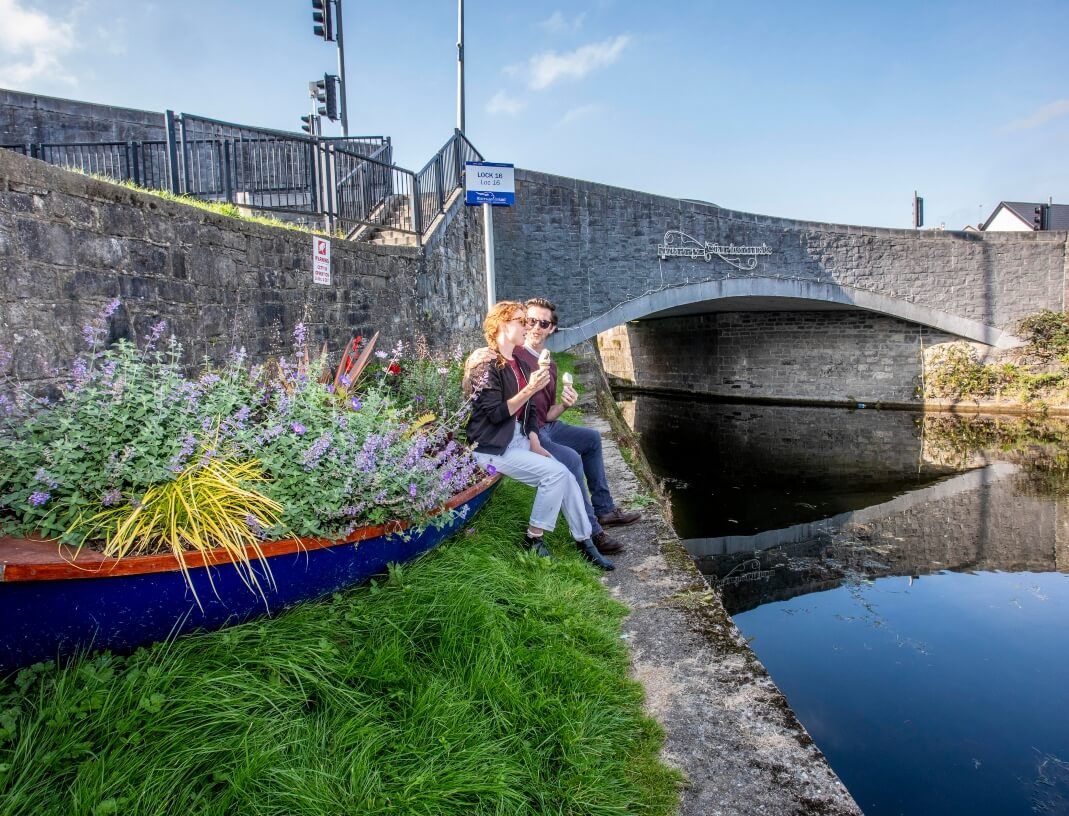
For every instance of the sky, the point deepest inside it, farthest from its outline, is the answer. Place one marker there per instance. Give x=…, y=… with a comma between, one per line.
x=822, y=111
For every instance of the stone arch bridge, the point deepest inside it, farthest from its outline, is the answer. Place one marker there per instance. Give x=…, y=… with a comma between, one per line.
x=609, y=256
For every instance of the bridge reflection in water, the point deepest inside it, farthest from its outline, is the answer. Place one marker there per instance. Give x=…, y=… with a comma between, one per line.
x=900, y=577
x=814, y=496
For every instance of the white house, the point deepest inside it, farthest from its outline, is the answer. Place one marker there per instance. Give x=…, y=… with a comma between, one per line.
x=1021, y=216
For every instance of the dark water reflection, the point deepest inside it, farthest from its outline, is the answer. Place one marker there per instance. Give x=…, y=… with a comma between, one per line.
x=902, y=578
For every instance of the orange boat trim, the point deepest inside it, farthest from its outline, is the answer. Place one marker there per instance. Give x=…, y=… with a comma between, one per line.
x=41, y=559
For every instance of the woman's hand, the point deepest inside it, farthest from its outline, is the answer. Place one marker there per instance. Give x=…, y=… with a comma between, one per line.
x=537, y=381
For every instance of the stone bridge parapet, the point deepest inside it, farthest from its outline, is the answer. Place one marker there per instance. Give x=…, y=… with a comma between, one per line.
x=594, y=249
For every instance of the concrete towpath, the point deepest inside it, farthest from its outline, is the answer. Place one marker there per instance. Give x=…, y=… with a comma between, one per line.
x=729, y=729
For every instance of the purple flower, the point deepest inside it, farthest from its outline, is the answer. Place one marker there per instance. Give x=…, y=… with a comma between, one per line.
x=412, y=491
x=346, y=380
x=39, y=497
x=356, y=404
x=330, y=388
x=45, y=478
x=111, y=497
x=254, y=525
x=111, y=308
x=315, y=453
x=154, y=336
x=300, y=335
x=299, y=429
x=491, y=470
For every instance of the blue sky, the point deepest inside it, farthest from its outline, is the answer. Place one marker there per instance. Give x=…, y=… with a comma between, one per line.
x=824, y=111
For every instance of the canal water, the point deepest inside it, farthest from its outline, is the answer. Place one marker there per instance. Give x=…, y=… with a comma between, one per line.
x=903, y=579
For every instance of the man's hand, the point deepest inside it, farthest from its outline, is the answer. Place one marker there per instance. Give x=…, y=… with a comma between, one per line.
x=477, y=358
x=568, y=396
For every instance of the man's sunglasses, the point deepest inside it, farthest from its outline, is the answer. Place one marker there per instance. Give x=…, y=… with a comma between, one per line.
x=545, y=324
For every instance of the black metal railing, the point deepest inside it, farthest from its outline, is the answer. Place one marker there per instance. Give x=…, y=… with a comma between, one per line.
x=440, y=177
x=141, y=162
x=348, y=182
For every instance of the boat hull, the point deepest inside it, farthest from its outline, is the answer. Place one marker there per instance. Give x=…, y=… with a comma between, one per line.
x=46, y=619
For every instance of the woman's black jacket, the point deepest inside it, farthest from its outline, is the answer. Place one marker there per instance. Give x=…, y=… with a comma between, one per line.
x=491, y=426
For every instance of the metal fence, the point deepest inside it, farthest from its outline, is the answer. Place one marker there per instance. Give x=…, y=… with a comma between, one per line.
x=442, y=175
x=346, y=182
x=142, y=162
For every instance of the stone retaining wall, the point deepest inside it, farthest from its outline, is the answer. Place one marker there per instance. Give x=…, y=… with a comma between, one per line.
x=26, y=117
x=849, y=356
x=69, y=243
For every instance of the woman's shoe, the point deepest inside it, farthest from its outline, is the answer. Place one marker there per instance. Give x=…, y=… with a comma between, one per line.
x=590, y=553
x=534, y=544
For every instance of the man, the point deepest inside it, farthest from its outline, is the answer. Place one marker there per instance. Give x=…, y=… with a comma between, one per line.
x=576, y=447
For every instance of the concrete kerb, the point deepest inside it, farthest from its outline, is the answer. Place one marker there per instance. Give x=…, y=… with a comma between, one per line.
x=728, y=728
x=652, y=303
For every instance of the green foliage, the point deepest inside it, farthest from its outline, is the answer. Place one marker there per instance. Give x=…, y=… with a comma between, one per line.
x=131, y=421
x=1047, y=333
x=217, y=207
x=478, y=680
x=954, y=372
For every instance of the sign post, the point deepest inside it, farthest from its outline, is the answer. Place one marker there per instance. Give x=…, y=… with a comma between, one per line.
x=320, y=260
x=489, y=184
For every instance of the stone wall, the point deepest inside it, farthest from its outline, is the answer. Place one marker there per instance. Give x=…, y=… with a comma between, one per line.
x=69, y=244
x=846, y=356
x=592, y=247
x=28, y=117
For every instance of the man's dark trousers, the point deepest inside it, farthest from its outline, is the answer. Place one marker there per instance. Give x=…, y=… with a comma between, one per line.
x=579, y=449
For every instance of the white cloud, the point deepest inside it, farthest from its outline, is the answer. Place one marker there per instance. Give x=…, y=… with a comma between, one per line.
x=557, y=23
x=502, y=103
x=1046, y=113
x=578, y=113
x=32, y=45
x=548, y=68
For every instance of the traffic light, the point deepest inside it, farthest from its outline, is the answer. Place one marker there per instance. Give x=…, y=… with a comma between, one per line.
x=323, y=18
x=326, y=93
x=1037, y=217
x=309, y=125
x=918, y=211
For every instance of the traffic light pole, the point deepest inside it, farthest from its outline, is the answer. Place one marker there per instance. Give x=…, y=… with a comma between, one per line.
x=341, y=73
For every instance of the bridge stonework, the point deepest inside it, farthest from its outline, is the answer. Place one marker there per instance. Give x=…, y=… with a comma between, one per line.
x=593, y=249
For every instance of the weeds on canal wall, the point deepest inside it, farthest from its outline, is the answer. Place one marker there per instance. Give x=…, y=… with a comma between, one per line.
x=478, y=680
x=1036, y=374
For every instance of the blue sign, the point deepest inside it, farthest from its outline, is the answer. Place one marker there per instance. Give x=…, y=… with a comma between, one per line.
x=489, y=183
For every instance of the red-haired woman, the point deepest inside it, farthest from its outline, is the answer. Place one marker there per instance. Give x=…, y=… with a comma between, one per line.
x=501, y=420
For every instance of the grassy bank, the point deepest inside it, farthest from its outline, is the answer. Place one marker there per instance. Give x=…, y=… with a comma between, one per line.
x=476, y=680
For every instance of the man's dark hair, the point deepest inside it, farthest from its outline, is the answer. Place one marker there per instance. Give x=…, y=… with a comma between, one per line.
x=542, y=303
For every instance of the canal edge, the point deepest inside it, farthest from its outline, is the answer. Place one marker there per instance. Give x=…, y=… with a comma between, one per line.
x=728, y=727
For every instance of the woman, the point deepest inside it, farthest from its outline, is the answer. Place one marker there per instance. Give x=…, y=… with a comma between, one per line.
x=501, y=420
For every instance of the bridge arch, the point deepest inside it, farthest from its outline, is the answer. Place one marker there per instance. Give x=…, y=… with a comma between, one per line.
x=780, y=291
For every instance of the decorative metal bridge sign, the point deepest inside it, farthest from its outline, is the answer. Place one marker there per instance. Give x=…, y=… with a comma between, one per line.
x=677, y=244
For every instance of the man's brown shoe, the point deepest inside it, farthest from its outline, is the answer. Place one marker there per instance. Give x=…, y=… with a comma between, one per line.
x=616, y=516
x=606, y=543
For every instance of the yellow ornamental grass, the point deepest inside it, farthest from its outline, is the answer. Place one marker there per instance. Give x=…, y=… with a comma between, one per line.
x=207, y=507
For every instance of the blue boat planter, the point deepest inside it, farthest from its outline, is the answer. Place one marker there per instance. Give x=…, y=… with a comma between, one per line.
x=54, y=604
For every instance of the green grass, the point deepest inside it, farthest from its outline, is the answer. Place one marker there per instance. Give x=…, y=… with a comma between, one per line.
x=218, y=207
x=477, y=680
x=566, y=363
